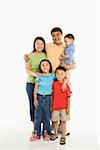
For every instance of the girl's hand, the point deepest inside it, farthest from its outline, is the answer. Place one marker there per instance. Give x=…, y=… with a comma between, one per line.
x=36, y=103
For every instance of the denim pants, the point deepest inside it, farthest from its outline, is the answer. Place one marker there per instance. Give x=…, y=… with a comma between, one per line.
x=42, y=112
x=30, y=91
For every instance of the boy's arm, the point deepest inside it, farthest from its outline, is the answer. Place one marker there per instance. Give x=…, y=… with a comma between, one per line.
x=69, y=52
x=68, y=98
x=35, y=95
x=68, y=109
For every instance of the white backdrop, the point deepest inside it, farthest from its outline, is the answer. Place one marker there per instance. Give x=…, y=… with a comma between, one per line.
x=21, y=22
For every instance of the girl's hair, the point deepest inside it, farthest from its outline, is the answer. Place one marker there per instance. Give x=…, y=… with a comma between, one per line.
x=40, y=70
x=39, y=38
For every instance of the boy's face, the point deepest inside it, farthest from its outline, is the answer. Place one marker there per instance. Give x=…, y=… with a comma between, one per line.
x=60, y=75
x=68, y=41
x=56, y=37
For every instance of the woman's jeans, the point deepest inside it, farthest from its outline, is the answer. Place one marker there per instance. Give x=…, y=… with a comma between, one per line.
x=30, y=92
x=42, y=113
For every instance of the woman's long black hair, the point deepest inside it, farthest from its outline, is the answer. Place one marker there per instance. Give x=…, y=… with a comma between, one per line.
x=39, y=38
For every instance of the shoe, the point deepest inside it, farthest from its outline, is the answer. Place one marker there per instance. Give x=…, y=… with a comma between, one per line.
x=67, y=134
x=62, y=140
x=53, y=137
x=46, y=137
x=34, y=137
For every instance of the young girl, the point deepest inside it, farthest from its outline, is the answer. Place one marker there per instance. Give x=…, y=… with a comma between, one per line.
x=32, y=67
x=60, y=104
x=42, y=100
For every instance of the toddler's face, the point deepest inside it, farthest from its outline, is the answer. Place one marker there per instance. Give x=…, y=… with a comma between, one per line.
x=68, y=41
x=56, y=37
x=60, y=75
x=45, y=66
x=39, y=45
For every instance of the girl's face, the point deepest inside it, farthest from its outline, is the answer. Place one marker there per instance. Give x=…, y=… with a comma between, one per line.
x=45, y=66
x=60, y=75
x=56, y=37
x=68, y=41
x=39, y=45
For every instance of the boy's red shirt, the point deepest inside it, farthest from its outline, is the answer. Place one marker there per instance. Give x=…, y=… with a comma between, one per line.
x=59, y=98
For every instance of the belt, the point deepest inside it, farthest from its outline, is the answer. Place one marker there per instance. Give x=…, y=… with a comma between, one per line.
x=44, y=95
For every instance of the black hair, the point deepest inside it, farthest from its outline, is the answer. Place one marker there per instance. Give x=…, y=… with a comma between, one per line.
x=56, y=29
x=60, y=68
x=70, y=36
x=39, y=38
x=50, y=71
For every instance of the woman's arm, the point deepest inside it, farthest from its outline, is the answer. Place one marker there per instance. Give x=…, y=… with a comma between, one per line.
x=35, y=95
x=28, y=70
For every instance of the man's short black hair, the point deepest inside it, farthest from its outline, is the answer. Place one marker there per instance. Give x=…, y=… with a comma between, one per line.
x=70, y=36
x=60, y=68
x=56, y=29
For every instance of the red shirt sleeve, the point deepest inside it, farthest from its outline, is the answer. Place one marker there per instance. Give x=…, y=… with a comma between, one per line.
x=68, y=91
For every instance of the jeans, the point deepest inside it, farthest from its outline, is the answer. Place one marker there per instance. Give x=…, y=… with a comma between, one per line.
x=42, y=112
x=30, y=91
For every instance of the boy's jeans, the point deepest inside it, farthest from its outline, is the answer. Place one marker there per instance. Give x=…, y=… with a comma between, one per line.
x=43, y=112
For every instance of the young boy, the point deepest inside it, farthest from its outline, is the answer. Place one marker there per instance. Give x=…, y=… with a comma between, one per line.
x=60, y=104
x=67, y=57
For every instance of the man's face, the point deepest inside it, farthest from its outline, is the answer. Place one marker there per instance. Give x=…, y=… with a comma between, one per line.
x=56, y=37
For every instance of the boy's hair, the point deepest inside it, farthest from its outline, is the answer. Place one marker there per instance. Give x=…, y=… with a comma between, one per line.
x=41, y=39
x=40, y=70
x=70, y=36
x=60, y=68
x=56, y=29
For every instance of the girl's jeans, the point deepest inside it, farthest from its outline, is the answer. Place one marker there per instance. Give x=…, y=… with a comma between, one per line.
x=42, y=113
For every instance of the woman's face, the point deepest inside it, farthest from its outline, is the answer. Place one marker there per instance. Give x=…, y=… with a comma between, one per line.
x=56, y=37
x=45, y=66
x=39, y=45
